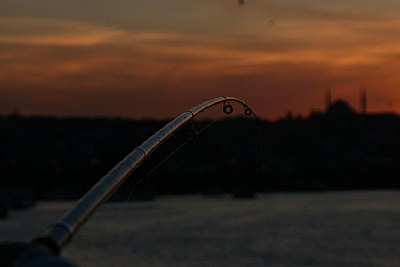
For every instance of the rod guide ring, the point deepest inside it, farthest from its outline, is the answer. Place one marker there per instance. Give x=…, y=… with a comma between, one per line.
x=248, y=111
x=228, y=109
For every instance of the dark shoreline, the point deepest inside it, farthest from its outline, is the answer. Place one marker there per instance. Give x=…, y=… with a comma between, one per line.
x=335, y=150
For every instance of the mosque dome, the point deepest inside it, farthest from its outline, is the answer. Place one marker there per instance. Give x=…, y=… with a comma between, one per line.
x=340, y=108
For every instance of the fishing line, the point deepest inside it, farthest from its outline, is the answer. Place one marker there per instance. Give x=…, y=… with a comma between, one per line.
x=198, y=132
x=120, y=236
x=186, y=141
x=209, y=125
x=227, y=109
x=164, y=160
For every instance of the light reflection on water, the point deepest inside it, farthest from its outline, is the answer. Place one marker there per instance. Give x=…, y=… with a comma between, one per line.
x=305, y=229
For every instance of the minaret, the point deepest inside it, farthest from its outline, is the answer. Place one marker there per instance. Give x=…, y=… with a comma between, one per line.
x=328, y=98
x=363, y=100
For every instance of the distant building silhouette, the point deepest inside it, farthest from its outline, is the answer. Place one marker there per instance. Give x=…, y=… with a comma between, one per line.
x=340, y=110
x=340, y=107
x=342, y=103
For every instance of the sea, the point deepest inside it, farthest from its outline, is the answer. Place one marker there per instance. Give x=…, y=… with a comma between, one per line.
x=349, y=228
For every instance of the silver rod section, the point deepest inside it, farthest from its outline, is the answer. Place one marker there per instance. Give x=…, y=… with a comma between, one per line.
x=59, y=234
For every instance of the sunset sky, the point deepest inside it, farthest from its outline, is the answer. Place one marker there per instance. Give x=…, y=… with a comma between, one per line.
x=157, y=58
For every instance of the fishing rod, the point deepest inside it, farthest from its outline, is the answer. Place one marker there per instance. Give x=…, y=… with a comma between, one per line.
x=59, y=234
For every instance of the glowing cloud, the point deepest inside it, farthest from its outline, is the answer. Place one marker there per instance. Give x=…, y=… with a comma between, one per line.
x=71, y=66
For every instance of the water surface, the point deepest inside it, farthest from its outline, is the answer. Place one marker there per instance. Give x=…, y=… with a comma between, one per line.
x=302, y=229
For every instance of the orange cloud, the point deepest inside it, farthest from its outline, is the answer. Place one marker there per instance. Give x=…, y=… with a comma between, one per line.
x=54, y=32
x=67, y=67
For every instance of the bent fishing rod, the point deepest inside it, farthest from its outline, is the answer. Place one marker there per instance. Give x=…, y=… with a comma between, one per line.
x=59, y=234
